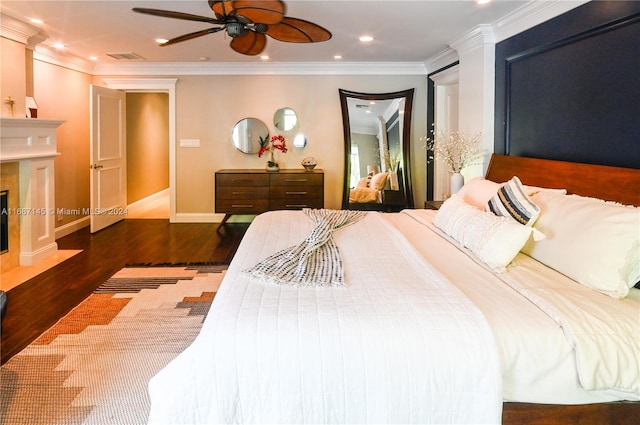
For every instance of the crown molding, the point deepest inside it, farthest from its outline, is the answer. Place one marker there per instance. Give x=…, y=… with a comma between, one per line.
x=282, y=68
x=54, y=57
x=530, y=15
x=19, y=31
x=477, y=37
x=441, y=60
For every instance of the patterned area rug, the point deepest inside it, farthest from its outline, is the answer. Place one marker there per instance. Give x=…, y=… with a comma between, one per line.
x=93, y=366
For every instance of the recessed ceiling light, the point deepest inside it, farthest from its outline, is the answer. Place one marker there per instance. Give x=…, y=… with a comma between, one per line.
x=58, y=45
x=482, y=1
x=161, y=40
x=93, y=58
x=264, y=57
x=337, y=57
x=36, y=21
x=366, y=38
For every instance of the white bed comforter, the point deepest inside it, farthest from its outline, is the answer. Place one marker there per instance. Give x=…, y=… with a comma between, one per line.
x=559, y=342
x=398, y=344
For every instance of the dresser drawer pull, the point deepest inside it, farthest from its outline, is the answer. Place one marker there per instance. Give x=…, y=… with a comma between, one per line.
x=242, y=193
x=296, y=180
x=296, y=206
x=241, y=206
x=296, y=193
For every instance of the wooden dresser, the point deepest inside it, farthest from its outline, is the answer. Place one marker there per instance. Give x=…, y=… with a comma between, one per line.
x=257, y=191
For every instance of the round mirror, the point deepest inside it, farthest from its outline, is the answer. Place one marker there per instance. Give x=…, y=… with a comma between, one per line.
x=285, y=119
x=247, y=134
x=300, y=141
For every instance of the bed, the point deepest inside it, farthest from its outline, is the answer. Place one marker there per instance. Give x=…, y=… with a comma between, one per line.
x=423, y=328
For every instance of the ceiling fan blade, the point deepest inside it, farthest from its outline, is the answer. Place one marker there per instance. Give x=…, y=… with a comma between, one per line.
x=222, y=8
x=296, y=30
x=191, y=36
x=263, y=12
x=252, y=43
x=176, y=15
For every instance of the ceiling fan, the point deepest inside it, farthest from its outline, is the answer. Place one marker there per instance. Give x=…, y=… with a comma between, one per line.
x=248, y=23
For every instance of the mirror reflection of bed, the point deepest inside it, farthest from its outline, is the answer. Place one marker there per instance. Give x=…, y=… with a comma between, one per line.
x=376, y=133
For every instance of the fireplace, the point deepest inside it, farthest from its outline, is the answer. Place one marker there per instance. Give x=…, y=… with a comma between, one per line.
x=27, y=152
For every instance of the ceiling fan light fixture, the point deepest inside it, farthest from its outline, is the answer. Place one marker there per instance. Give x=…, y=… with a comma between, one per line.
x=261, y=28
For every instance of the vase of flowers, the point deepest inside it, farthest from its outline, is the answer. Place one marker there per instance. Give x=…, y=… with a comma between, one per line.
x=270, y=145
x=458, y=151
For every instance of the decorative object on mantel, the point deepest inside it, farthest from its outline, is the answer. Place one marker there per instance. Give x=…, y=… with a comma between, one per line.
x=457, y=150
x=276, y=142
x=32, y=108
x=309, y=163
x=10, y=102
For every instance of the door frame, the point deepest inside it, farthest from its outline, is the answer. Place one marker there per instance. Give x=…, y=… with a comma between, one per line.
x=446, y=118
x=157, y=85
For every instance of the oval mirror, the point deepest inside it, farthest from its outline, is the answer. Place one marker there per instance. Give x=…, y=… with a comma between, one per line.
x=247, y=133
x=377, y=132
x=285, y=119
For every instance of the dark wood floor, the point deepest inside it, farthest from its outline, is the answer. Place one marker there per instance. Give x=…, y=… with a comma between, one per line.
x=37, y=304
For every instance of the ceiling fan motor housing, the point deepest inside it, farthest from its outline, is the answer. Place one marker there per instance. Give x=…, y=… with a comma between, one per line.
x=235, y=29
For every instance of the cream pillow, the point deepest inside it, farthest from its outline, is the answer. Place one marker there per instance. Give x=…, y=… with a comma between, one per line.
x=595, y=243
x=492, y=239
x=378, y=181
x=478, y=191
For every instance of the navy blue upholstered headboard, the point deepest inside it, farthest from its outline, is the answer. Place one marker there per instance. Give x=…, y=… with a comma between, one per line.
x=569, y=89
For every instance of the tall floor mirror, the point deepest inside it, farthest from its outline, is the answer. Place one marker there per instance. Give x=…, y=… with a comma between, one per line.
x=377, y=134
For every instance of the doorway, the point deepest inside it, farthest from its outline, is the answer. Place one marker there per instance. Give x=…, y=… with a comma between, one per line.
x=157, y=85
x=147, y=155
x=444, y=118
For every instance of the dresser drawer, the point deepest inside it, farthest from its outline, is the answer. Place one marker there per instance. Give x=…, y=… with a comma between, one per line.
x=297, y=179
x=242, y=192
x=296, y=203
x=287, y=192
x=240, y=206
x=242, y=179
x=256, y=191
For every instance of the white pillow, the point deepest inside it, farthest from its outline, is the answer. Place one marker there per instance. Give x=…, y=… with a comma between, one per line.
x=492, y=239
x=478, y=191
x=595, y=243
x=378, y=181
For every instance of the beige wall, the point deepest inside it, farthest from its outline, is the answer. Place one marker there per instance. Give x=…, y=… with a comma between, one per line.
x=13, y=77
x=209, y=106
x=207, y=109
x=147, y=144
x=64, y=94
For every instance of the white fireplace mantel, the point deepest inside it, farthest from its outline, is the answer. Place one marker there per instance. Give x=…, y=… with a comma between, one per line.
x=32, y=143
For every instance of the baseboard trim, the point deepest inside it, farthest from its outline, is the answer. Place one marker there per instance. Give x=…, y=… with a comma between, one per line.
x=211, y=218
x=74, y=226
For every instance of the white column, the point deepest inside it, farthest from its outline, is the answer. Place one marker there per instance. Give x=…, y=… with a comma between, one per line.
x=37, y=210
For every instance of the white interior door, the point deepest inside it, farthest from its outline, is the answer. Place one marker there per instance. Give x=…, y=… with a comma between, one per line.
x=108, y=157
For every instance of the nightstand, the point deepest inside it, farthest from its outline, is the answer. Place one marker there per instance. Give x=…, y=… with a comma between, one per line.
x=432, y=205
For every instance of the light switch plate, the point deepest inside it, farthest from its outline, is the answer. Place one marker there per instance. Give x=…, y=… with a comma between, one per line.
x=189, y=143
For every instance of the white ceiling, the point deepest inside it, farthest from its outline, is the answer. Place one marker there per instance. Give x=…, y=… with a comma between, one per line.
x=404, y=31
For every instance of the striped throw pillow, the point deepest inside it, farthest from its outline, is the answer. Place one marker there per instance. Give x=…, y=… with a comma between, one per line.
x=512, y=201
